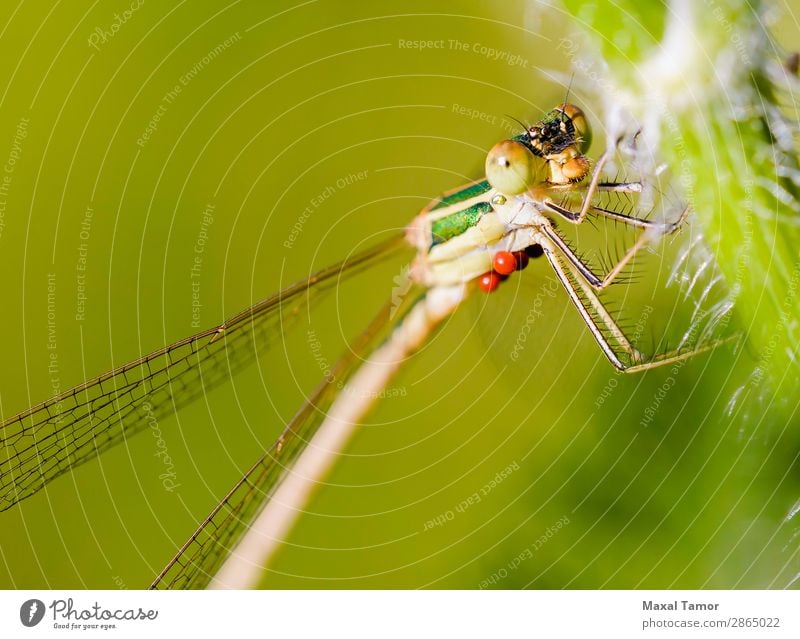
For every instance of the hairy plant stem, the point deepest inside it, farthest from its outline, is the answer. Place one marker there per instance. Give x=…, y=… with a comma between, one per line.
x=703, y=79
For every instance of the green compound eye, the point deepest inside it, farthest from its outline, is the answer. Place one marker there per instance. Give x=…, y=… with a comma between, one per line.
x=512, y=168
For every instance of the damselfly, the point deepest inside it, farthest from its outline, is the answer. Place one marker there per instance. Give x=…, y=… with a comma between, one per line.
x=473, y=237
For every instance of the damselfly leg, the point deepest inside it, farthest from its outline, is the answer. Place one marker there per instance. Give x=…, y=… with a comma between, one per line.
x=582, y=283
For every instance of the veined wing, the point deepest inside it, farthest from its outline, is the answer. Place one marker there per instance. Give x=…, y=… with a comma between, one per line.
x=199, y=559
x=52, y=438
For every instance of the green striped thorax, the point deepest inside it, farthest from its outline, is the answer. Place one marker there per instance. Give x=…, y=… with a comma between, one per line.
x=457, y=235
x=455, y=223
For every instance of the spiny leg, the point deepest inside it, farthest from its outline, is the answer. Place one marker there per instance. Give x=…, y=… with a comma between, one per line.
x=664, y=228
x=638, y=364
x=677, y=355
x=652, y=231
x=596, y=282
x=549, y=251
x=618, y=187
x=603, y=187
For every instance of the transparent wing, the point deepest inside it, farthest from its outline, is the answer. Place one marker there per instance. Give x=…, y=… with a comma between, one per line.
x=54, y=437
x=199, y=559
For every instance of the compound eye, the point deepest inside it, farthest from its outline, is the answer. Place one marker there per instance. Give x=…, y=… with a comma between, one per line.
x=512, y=168
x=583, y=132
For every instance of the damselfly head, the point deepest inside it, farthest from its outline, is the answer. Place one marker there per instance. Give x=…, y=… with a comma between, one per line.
x=562, y=138
x=551, y=151
x=562, y=128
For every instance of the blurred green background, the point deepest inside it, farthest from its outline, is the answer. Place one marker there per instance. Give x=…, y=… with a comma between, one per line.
x=279, y=104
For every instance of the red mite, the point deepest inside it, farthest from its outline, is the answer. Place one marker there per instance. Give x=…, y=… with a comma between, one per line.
x=489, y=281
x=503, y=264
